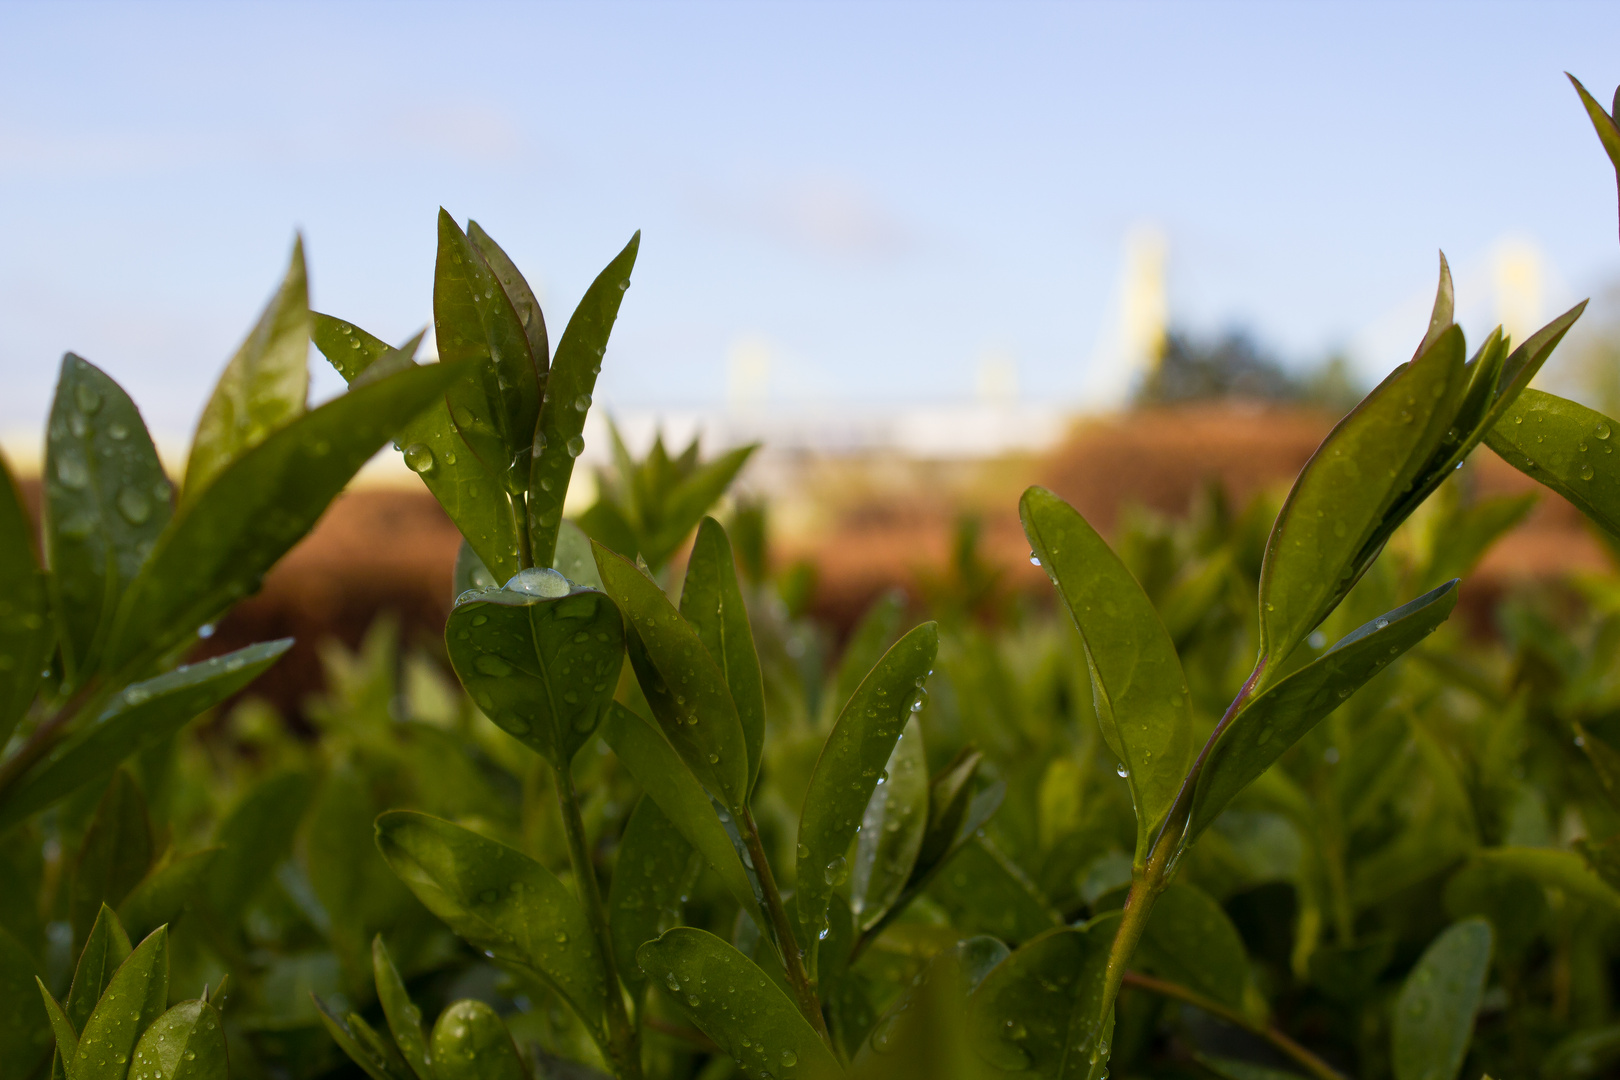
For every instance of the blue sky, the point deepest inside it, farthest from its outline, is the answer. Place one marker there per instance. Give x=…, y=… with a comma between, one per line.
x=880, y=194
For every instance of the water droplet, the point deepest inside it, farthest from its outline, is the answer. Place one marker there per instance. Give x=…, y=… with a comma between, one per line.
x=804, y=852
x=714, y=759
x=837, y=871
x=1380, y=623
x=538, y=581
x=1602, y=431
x=546, y=483
x=134, y=506
x=582, y=403
x=87, y=399
x=493, y=665
x=206, y=630
x=1034, y=559
x=576, y=446
x=1586, y=472
x=789, y=1058
x=418, y=458
x=72, y=472
x=561, y=937
x=1121, y=769
x=118, y=431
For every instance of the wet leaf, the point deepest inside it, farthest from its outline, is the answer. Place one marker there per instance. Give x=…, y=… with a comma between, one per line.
x=1607, y=131
x=471, y=1043
x=470, y=572
x=1278, y=717
x=143, y=715
x=518, y=292
x=1136, y=679
x=105, y=949
x=1191, y=941
x=185, y=1043
x=1566, y=447
x=500, y=901
x=892, y=830
x=986, y=893
x=166, y=892
x=542, y=667
x=655, y=871
x=219, y=546
x=67, y=1039
x=733, y=1002
x=106, y=501
x=853, y=757
x=574, y=559
x=135, y=996
x=574, y=369
x=115, y=855
x=26, y=630
x=924, y=1035
x=950, y=793
x=682, y=683
x=404, y=1018
x=878, y=628
x=366, y=1048
x=1036, y=1012
x=349, y=349
x=712, y=602
x=1434, y=1015
x=263, y=388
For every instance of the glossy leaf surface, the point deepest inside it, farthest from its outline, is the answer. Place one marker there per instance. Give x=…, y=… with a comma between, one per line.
x=404, y=1018
x=1567, y=447
x=892, y=829
x=853, y=757
x=349, y=349
x=106, y=502
x=264, y=387
x=1434, y=1015
x=518, y=292
x=105, y=948
x=364, y=1046
x=26, y=633
x=218, y=548
x=501, y=901
x=541, y=667
x=737, y=1005
x=185, y=1043
x=67, y=1039
x=682, y=683
x=1137, y=684
x=574, y=368
x=1279, y=716
x=471, y=1043
x=1607, y=131
x=136, y=995
x=655, y=870
x=712, y=602
x=143, y=715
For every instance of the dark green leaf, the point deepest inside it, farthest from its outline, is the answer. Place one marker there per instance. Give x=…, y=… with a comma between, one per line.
x=106, y=502
x=103, y=952
x=949, y=794
x=26, y=633
x=142, y=716
x=1607, y=131
x=518, y=292
x=1191, y=941
x=655, y=871
x=471, y=1043
x=166, y=892
x=346, y=347
x=1232, y=1069
x=924, y=1035
x=712, y=602
x=1520, y=367
x=682, y=683
x=1037, y=1012
x=541, y=663
x=404, y=1018
x=1556, y=869
x=1280, y=716
x=220, y=545
x=264, y=388
x=733, y=1002
x=476, y=325
x=254, y=837
x=1592, y=1052
x=1140, y=692
x=878, y=628
x=1565, y=446
x=67, y=1039
x=25, y=1028
x=853, y=757
x=1434, y=1015
x=365, y=1047
x=115, y=855
x=568, y=397
x=135, y=996
x=1353, y=492
x=690, y=500
x=891, y=830
x=501, y=901
x=984, y=892
x=185, y=1043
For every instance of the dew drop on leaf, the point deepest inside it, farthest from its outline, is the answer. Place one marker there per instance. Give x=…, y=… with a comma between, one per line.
x=418, y=458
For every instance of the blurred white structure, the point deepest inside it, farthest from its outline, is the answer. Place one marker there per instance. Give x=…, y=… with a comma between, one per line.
x=1131, y=348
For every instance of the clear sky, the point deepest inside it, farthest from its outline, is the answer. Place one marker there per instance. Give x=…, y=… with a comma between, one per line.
x=878, y=195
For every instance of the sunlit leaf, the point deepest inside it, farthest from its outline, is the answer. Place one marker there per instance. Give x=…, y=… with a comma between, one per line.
x=1566, y=447
x=518, y=292
x=1604, y=123
x=574, y=560
x=1433, y=1018
x=712, y=602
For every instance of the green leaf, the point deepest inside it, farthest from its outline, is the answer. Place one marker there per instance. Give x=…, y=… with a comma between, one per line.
x=67, y=1039
x=501, y=901
x=690, y=500
x=542, y=666
x=878, y=628
x=476, y=325
x=470, y=572
x=167, y=891
x=1280, y=716
x=924, y=1034
x=471, y=1043
x=892, y=829
x=568, y=397
x=1354, y=491
x=1566, y=447
x=26, y=633
x=950, y=792
x=346, y=347
x=185, y=1043
x=1470, y=532
x=985, y=892
x=115, y=855
x=662, y=774
x=264, y=388
x=135, y=996
x=1191, y=941
x=1434, y=1015
x=1607, y=131
x=220, y=545
x=518, y=292
x=142, y=716
x=682, y=683
x=734, y=1003
x=1556, y=869
x=365, y=1047
x=404, y=1018
x=105, y=949
x=25, y=1027
x=574, y=560
x=655, y=871
x=1136, y=679
x=712, y=602
x=254, y=837
x=106, y=502
x=1037, y=1011
x=1519, y=368
x=1585, y=1053
x=846, y=773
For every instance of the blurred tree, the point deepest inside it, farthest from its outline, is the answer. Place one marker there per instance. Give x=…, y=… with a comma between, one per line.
x=1234, y=365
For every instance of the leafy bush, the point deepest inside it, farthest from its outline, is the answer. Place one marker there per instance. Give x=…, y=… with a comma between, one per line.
x=661, y=837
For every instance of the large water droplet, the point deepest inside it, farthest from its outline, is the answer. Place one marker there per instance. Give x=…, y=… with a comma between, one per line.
x=582, y=403
x=1034, y=559
x=1586, y=472
x=134, y=506
x=418, y=458
x=576, y=446
x=87, y=399
x=1121, y=769
x=72, y=472
x=837, y=871
x=539, y=581
x=493, y=665
x=1602, y=431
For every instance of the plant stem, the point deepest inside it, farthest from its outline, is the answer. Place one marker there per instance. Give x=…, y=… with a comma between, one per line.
x=624, y=1047
x=1133, y=920
x=520, y=525
x=88, y=698
x=786, y=941
x=1301, y=1056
